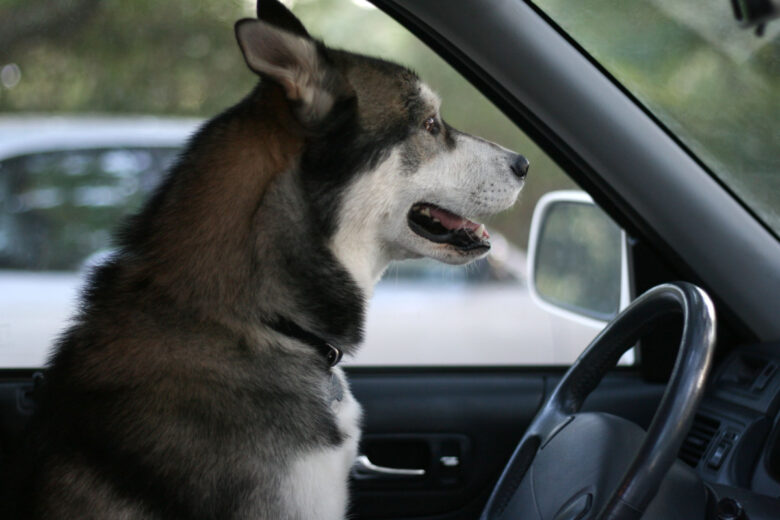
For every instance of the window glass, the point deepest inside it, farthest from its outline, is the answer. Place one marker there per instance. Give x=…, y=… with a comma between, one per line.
x=713, y=83
x=179, y=58
x=482, y=314
x=58, y=208
x=577, y=257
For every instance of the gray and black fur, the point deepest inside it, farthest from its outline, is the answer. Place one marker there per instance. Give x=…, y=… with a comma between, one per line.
x=172, y=396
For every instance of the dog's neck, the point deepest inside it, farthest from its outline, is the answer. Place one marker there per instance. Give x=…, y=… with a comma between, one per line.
x=358, y=241
x=244, y=249
x=362, y=255
x=297, y=275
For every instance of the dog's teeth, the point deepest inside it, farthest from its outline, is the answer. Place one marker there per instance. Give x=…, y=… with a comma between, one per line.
x=427, y=212
x=435, y=219
x=480, y=230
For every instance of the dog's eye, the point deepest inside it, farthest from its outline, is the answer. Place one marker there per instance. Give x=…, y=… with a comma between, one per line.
x=431, y=125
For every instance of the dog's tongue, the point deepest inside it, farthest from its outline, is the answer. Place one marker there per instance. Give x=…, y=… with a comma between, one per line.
x=453, y=222
x=447, y=219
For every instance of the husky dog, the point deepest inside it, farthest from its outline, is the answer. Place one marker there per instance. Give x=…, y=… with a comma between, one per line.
x=199, y=377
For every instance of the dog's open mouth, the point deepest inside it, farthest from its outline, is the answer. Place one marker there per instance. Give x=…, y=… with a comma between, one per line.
x=444, y=227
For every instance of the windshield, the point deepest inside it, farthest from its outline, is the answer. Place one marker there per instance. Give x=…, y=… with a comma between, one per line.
x=713, y=84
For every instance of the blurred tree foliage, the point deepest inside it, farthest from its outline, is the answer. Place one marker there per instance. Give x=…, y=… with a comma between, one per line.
x=711, y=82
x=179, y=57
x=176, y=57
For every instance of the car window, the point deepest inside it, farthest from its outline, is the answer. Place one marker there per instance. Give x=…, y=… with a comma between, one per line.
x=425, y=313
x=59, y=207
x=58, y=210
x=712, y=83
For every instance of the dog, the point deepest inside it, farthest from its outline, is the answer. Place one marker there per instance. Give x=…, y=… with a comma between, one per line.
x=199, y=379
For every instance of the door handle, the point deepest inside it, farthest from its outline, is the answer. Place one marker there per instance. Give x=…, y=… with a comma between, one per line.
x=365, y=468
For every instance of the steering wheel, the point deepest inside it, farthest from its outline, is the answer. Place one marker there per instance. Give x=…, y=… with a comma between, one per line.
x=578, y=466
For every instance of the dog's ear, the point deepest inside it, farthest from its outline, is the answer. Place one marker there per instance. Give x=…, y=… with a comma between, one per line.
x=276, y=14
x=295, y=63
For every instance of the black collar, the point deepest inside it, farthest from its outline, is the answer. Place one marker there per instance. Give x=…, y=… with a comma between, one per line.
x=331, y=354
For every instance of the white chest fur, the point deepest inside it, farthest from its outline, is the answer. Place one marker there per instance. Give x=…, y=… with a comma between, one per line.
x=316, y=486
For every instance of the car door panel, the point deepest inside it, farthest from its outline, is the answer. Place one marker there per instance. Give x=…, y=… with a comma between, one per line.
x=459, y=425
x=430, y=419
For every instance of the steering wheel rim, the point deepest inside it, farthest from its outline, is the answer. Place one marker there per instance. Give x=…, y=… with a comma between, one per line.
x=672, y=419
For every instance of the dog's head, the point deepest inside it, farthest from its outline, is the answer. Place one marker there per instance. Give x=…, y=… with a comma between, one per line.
x=387, y=177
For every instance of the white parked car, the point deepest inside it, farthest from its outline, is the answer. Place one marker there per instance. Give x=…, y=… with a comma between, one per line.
x=66, y=183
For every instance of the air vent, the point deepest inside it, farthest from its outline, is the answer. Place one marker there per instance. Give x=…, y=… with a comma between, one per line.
x=698, y=440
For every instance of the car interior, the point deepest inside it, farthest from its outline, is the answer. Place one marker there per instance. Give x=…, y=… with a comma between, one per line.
x=692, y=430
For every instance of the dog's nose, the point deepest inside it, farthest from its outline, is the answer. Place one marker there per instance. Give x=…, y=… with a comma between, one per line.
x=520, y=167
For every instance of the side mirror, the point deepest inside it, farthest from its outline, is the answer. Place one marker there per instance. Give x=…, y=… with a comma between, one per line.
x=578, y=259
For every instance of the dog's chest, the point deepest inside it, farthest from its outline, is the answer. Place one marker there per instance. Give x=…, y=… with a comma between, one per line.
x=316, y=486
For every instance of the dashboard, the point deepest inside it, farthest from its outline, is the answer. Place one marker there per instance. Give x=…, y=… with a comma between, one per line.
x=734, y=443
